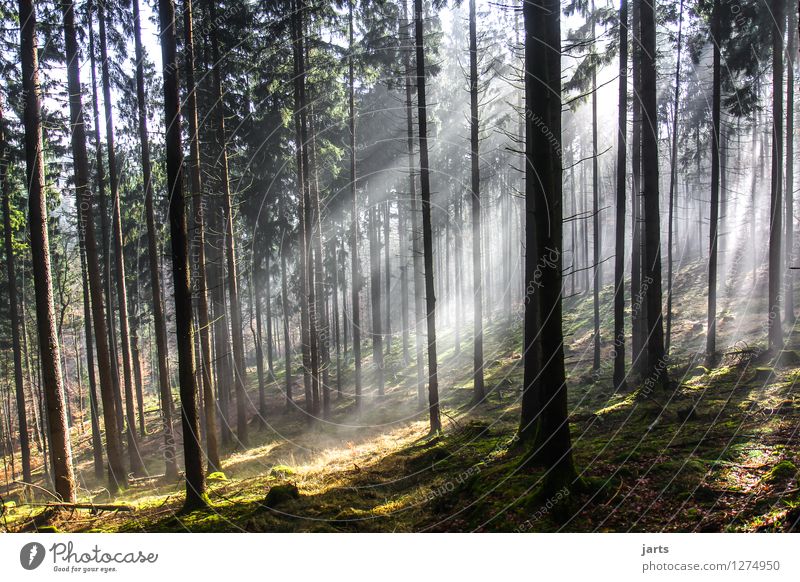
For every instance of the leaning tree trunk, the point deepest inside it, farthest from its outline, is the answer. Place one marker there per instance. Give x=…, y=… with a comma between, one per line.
x=195, y=480
x=159, y=323
x=49, y=353
x=619, y=243
x=544, y=363
x=13, y=305
x=713, y=230
x=776, y=185
x=427, y=234
x=200, y=278
x=477, y=284
x=656, y=356
x=137, y=466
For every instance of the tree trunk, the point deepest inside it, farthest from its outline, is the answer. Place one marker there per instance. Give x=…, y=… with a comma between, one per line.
x=49, y=354
x=427, y=234
x=13, y=305
x=159, y=324
x=137, y=466
x=619, y=243
x=287, y=342
x=597, y=275
x=355, y=273
x=673, y=177
x=195, y=480
x=375, y=294
x=478, y=391
x=105, y=230
x=544, y=363
x=239, y=369
x=713, y=230
x=117, y=476
x=789, y=237
x=776, y=184
x=656, y=356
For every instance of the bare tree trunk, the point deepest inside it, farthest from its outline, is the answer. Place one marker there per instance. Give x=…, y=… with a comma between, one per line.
x=619, y=256
x=788, y=303
x=49, y=353
x=13, y=304
x=105, y=230
x=776, y=185
x=545, y=389
x=117, y=476
x=355, y=268
x=239, y=369
x=656, y=356
x=375, y=294
x=287, y=342
x=478, y=391
x=137, y=466
x=416, y=252
x=427, y=234
x=159, y=324
x=597, y=274
x=195, y=479
x=711, y=329
x=673, y=178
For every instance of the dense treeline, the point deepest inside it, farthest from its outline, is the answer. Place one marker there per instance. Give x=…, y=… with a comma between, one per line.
x=221, y=213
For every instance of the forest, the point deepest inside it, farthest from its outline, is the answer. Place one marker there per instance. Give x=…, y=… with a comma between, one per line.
x=399, y=266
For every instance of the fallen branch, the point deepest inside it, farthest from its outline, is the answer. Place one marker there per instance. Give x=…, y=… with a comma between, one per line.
x=93, y=507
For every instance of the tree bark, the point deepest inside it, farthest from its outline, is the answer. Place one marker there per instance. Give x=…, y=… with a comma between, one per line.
x=427, y=233
x=776, y=184
x=200, y=279
x=239, y=369
x=49, y=353
x=713, y=230
x=478, y=391
x=656, y=356
x=195, y=479
x=137, y=466
x=544, y=363
x=117, y=476
x=619, y=244
x=13, y=304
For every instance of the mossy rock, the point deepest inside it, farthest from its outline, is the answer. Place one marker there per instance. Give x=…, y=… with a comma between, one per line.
x=48, y=529
x=780, y=473
x=216, y=476
x=787, y=358
x=281, y=471
x=699, y=371
x=9, y=507
x=762, y=375
x=281, y=494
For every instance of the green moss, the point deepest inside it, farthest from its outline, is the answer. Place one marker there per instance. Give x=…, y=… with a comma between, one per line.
x=48, y=529
x=280, y=494
x=780, y=473
x=281, y=471
x=216, y=476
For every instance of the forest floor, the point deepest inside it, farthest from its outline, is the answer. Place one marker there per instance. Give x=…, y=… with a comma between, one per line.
x=718, y=452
